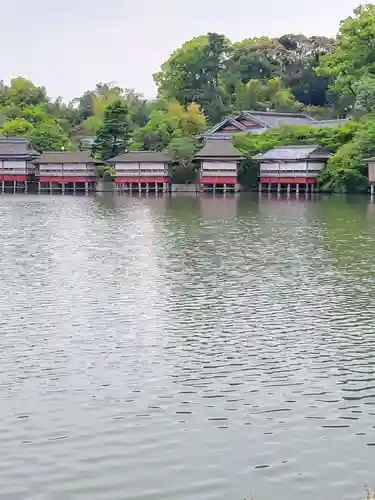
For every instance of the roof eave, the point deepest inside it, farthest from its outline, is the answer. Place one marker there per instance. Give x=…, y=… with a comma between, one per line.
x=16, y=157
x=211, y=157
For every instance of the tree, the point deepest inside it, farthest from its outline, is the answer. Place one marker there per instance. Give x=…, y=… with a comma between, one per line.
x=193, y=74
x=139, y=107
x=365, y=90
x=167, y=121
x=50, y=136
x=114, y=136
x=84, y=105
x=158, y=133
x=261, y=95
x=193, y=120
x=23, y=92
x=299, y=68
x=292, y=58
x=92, y=124
x=182, y=150
x=250, y=95
x=353, y=56
x=19, y=127
x=254, y=59
x=90, y=108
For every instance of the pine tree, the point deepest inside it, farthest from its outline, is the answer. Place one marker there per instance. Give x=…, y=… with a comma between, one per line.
x=115, y=134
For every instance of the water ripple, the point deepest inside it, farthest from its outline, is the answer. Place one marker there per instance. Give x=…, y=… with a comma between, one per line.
x=198, y=347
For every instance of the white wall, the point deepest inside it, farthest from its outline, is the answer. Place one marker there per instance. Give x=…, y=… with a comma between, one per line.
x=315, y=167
x=67, y=169
x=9, y=166
x=266, y=168
x=139, y=169
x=285, y=168
x=50, y=167
x=218, y=166
x=58, y=167
x=127, y=167
x=153, y=167
x=74, y=166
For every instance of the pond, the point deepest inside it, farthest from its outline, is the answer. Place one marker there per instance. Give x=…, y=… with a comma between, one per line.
x=191, y=347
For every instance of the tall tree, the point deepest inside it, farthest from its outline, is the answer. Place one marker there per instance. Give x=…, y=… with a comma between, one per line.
x=114, y=136
x=353, y=56
x=303, y=57
x=193, y=74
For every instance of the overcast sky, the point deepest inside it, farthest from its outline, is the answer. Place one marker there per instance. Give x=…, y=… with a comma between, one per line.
x=70, y=45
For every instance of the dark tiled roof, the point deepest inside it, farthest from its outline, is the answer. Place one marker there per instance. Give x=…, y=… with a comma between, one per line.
x=273, y=119
x=312, y=151
x=141, y=157
x=65, y=157
x=16, y=147
x=218, y=148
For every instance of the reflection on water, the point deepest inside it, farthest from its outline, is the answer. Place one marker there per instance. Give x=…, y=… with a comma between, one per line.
x=186, y=347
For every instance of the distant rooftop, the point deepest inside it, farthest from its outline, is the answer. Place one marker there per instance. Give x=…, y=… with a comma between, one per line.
x=141, y=157
x=218, y=148
x=58, y=157
x=275, y=119
x=257, y=122
x=300, y=152
x=15, y=147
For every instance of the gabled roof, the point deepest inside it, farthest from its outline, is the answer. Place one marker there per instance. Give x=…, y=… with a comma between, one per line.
x=16, y=147
x=219, y=148
x=227, y=120
x=59, y=157
x=285, y=153
x=141, y=157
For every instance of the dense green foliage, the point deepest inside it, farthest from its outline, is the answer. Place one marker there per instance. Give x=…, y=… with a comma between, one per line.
x=27, y=111
x=257, y=73
x=210, y=77
x=113, y=137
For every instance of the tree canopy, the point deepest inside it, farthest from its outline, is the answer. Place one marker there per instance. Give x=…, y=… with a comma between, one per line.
x=114, y=135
